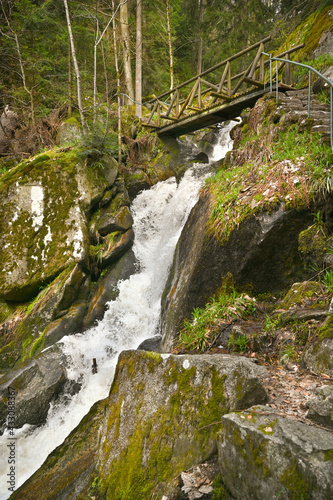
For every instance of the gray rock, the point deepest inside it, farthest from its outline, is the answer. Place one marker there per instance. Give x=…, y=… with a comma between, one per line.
x=45, y=202
x=321, y=406
x=36, y=385
x=152, y=344
x=107, y=289
x=265, y=456
x=255, y=253
x=319, y=357
x=163, y=412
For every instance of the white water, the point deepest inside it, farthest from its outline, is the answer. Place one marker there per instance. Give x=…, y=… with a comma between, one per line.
x=159, y=215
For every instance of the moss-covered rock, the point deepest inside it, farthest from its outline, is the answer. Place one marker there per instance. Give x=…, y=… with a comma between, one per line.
x=24, y=329
x=70, y=471
x=45, y=202
x=299, y=292
x=262, y=455
x=162, y=416
x=261, y=254
x=36, y=384
x=106, y=289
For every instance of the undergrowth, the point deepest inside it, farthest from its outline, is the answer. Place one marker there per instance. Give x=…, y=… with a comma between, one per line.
x=200, y=332
x=298, y=170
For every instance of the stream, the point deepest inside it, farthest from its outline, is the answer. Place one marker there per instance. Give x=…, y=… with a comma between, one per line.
x=159, y=216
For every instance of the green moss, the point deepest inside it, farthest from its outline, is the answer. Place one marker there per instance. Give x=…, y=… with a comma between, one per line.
x=296, y=483
x=219, y=490
x=328, y=455
x=151, y=457
x=326, y=331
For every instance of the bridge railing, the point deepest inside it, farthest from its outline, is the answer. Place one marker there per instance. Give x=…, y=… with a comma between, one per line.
x=279, y=60
x=216, y=85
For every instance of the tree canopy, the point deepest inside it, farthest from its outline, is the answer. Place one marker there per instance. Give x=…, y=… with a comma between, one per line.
x=36, y=63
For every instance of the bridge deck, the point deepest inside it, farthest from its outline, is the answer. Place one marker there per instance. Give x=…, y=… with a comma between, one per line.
x=208, y=117
x=216, y=114
x=199, y=103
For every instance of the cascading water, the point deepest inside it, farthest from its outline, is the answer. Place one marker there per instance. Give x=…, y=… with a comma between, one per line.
x=159, y=215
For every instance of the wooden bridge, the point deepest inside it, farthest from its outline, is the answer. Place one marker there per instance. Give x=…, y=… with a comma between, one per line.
x=216, y=95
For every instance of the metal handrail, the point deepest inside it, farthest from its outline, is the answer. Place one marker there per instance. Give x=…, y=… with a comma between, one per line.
x=311, y=69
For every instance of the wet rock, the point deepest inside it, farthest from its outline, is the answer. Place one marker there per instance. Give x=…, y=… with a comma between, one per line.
x=163, y=412
x=321, y=406
x=263, y=455
x=107, y=289
x=152, y=344
x=256, y=254
x=36, y=385
x=116, y=245
x=70, y=471
x=45, y=203
x=70, y=323
x=109, y=223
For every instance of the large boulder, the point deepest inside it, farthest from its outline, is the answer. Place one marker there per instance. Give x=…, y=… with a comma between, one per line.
x=45, y=202
x=35, y=385
x=162, y=416
x=321, y=406
x=262, y=253
x=263, y=455
x=70, y=471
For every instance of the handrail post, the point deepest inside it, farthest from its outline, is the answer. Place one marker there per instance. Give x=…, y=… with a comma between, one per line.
x=270, y=73
x=309, y=94
x=277, y=81
x=332, y=118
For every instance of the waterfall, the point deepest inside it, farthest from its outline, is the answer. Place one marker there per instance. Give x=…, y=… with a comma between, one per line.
x=159, y=215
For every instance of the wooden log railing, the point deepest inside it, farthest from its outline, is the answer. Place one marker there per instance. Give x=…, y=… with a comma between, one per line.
x=218, y=87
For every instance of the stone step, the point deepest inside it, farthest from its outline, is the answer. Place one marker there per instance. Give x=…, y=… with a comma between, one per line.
x=321, y=128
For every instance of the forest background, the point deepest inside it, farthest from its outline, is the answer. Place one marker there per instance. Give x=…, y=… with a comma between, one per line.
x=78, y=57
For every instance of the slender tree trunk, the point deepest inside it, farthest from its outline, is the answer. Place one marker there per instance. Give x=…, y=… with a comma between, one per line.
x=69, y=112
x=201, y=16
x=24, y=81
x=95, y=64
x=169, y=42
x=126, y=49
x=118, y=83
x=76, y=67
x=30, y=92
x=138, y=62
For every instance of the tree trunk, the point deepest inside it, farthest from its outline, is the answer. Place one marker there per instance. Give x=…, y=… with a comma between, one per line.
x=126, y=50
x=138, y=61
x=169, y=42
x=118, y=82
x=95, y=63
x=69, y=112
x=201, y=16
x=76, y=67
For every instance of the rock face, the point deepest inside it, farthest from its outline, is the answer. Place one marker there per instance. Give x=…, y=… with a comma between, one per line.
x=36, y=385
x=262, y=455
x=45, y=202
x=321, y=406
x=162, y=415
x=70, y=470
x=262, y=252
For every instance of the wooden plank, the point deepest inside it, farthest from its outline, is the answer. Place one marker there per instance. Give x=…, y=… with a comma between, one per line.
x=220, y=95
x=254, y=82
x=152, y=111
x=193, y=92
x=149, y=125
x=210, y=85
x=168, y=117
x=256, y=60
